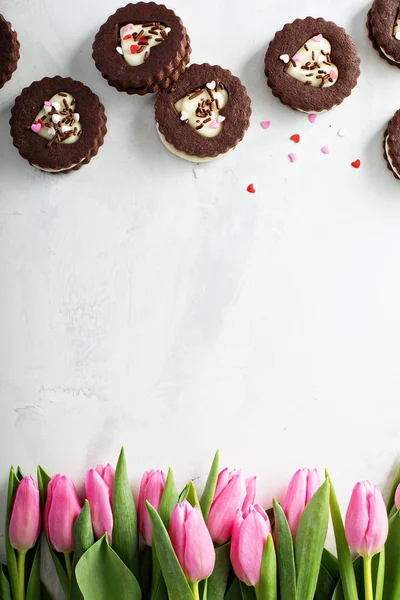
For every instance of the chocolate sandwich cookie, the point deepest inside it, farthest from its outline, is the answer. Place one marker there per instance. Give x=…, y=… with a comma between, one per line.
x=204, y=115
x=312, y=65
x=391, y=145
x=58, y=124
x=9, y=51
x=384, y=29
x=142, y=49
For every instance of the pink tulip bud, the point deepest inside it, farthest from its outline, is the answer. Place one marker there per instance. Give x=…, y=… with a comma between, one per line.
x=232, y=492
x=301, y=489
x=25, y=522
x=192, y=542
x=250, y=532
x=251, y=487
x=366, y=520
x=151, y=489
x=397, y=498
x=61, y=511
x=99, y=492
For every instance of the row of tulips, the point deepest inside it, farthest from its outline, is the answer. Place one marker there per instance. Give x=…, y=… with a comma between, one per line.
x=179, y=547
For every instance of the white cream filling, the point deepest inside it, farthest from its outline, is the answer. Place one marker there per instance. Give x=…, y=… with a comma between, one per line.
x=189, y=157
x=57, y=116
x=312, y=65
x=388, y=56
x=200, y=109
x=138, y=40
x=46, y=170
x=389, y=157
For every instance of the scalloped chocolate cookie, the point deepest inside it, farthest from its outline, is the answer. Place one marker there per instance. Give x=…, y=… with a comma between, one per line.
x=391, y=145
x=141, y=49
x=384, y=29
x=205, y=115
x=312, y=65
x=9, y=51
x=58, y=124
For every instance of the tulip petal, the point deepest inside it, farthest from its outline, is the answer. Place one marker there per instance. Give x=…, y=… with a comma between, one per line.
x=378, y=526
x=63, y=512
x=152, y=491
x=222, y=482
x=223, y=510
x=236, y=564
x=98, y=495
x=199, y=554
x=177, y=531
x=251, y=487
x=313, y=484
x=252, y=537
x=295, y=499
x=357, y=519
x=24, y=527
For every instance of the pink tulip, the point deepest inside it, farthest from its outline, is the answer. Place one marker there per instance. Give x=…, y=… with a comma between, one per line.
x=25, y=522
x=192, y=542
x=397, y=498
x=99, y=492
x=151, y=489
x=366, y=520
x=232, y=493
x=301, y=489
x=250, y=532
x=61, y=511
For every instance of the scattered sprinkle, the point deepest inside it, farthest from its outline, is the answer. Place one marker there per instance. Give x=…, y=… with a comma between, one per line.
x=211, y=85
x=214, y=124
x=47, y=103
x=297, y=58
x=134, y=48
x=325, y=150
x=251, y=189
x=56, y=106
x=312, y=118
x=36, y=127
x=342, y=133
x=56, y=118
x=76, y=117
x=333, y=74
x=397, y=36
x=265, y=124
x=284, y=58
x=295, y=138
x=293, y=157
x=221, y=119
x=356, y=164
x=51, y=131
x=184, y=115
x=318, y=38
x=119, y=50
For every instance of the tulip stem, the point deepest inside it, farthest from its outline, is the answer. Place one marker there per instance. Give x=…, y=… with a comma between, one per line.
x=369, y=593
x=21, y=556
x=195, y=590
x=68, y=564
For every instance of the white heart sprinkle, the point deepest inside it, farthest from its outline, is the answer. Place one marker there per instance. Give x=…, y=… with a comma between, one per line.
x=119, y=50
x=77, y=116
x=284, y=58
x=65, y=128
x=56, y=118
x=51, y=131
x=397, y=36
x=212, y=85
x=47, y=109
x=167, y=30
x=221, y=119
x=56, y=105
x=342, y=133
x=184, y=116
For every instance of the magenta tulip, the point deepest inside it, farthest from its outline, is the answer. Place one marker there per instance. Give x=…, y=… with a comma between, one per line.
x=192, y=542
x=366, y=520
x=151, y=489
x=25, y=522
x=250, y=532
x=61, y=511
x=99, y=492
x=301, y=489
x=232, y=493
x=397, y=498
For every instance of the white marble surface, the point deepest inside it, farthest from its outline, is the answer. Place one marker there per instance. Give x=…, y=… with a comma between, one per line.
x=141, y=305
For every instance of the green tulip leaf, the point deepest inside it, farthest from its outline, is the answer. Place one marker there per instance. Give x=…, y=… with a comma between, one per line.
x=101, y=575
x=5, y=590
x=284, y=555
x=380, y=578
x=174, y=577
x=248, y=592
x=33, y=591
x=391, y=590
x=13, y=483
x=19, y=474
x=326, y=585
x=234, y=593
x=43, y=481
x=125, y=539
x=268, y=586
x=309, y=542
x=218, y=581
x=395, y=485
x=184, y=493
x=59, y=565
x=209, y=490
x=191, y=496
x=347, y=576
x=331, y=565
x=44, y=593
x=169, y=499
x=145, y=570
x=84, y=539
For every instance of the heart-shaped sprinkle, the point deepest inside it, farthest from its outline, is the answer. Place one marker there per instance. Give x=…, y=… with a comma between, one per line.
x=284, y=58
x=47, y=108
x=134, y=48
x=333, y=75
x=56, y=105
x=297, y=57
x=77, y=117
x=342, y=133
x=221, y=119
x=325, y=150
x=397, y=36
x=211, y=85
x=36, y=127
x=51, y=131
x=184, y=116
x=295, y=138
x=214, y=124
x=47, y=103
x=265, y=124
x=251, y=189
x=356, y=164
x=127, y=37
x=318, y=38
x=167, y=30
x=293, y=157
x=312, y=118
x=119, y=50
x=56, y=118
x=128, y=27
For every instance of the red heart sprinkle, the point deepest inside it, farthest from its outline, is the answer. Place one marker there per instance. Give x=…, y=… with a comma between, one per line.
x=40, y=122
x=127, y=37
x=295, y=138
x=251, y=189
x=356, y=164
x=134, y=48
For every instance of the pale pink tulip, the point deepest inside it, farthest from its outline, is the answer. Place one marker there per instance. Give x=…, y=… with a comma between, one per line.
x=151, y=489
x=232, y=493
x=250, y=532
x=61, y=511
x=99, y=492
x=301, y=489
x=397, y=498
x=366, y=520
x=25, y=522
x=192, y=542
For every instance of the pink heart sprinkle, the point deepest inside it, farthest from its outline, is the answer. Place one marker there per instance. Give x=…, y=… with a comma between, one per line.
x=265, y=124
x=128, y=27
x=47, y=103
x=293, y=157
x=36, y=127
x=325, y=150
x=333, y=74
x=296, y=58
x=312, y=118
x=318, y=38
x=214, y=125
